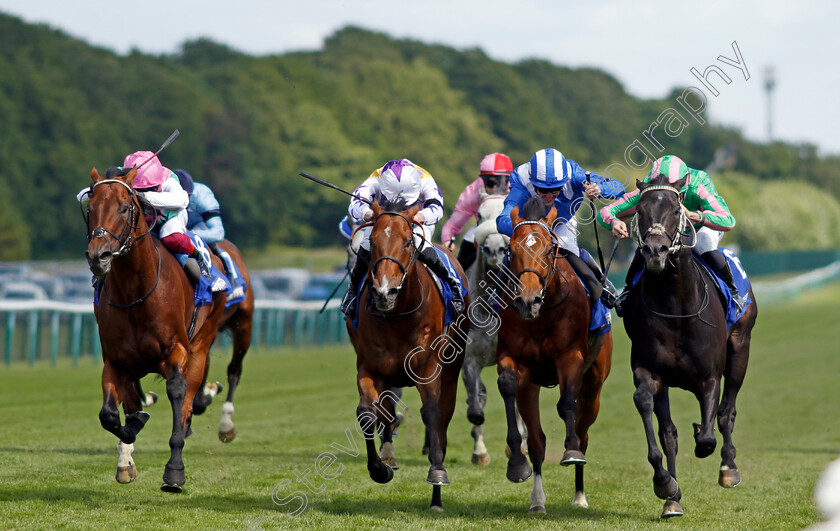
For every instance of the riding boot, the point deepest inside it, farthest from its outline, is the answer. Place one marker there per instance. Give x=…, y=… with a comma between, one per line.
x=636, y=265
x=203, y=262
x=593, y=286
x=609, y=295
x=467, y=254
x=221, y=253
x=357, y=274
x=720, y=264
x=430, y=257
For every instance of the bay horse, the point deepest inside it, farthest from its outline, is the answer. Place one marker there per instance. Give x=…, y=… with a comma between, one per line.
x=484, y=277
x=401, y=341
x=544, y=341
x=679, y=338
x=238, y=318
x=144, y=311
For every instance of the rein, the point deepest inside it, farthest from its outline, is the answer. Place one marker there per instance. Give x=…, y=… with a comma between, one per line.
x=124, y=240
x=703, y=305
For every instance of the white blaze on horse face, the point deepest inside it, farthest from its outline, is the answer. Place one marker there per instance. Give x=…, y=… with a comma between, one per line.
x=387, y=231
x=530, y=241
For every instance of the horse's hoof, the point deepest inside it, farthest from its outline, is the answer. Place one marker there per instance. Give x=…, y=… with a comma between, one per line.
x=580, y=500
x=126, y=474
x=704, y=447
x=537, y=509
x=227, y=436
x=729, y=477
x=668, y=490
x=391, y=462
x=150, y=398
x=381, y=473
x=174, y=489
x=436, y=508
x=173, y=479
x=573, y=457
x=437, y=477
x=518, y=473
x=481, y=460
x=671, y=508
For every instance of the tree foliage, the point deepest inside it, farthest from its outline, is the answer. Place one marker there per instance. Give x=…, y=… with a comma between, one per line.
x=250, y=124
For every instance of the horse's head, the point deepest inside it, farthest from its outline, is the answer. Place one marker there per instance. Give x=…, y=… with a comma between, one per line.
x=660, y=221
x=531, y=256
x=113, y=214
x=393, y=252
x=491, y=244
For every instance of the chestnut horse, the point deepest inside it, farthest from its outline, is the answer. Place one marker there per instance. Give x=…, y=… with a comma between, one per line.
x=144, y=311
x=401, y=342
x=239, y=319
x=677, y=327
x=544, y=341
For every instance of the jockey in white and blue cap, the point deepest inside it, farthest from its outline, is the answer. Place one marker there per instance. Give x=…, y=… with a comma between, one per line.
x=398, y=185
x=560, y=183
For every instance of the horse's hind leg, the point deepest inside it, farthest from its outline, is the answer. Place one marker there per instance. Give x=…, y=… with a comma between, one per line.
x=738, y=354
x=476, y=399
x=240, y=327
x=704, y=433
x=528, y=399
x=386, y=412
x=518, y=469
x=446, y=405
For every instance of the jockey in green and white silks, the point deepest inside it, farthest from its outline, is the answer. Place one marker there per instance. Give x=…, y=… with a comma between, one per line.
x=705, y=209
x=398, y=185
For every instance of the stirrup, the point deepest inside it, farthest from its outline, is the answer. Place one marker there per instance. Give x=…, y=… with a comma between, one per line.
x=204, y=267
x=348, y=305
x=739, y=301
x=619, y=301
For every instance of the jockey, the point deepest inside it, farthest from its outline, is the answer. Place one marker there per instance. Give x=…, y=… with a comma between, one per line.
x=493, y=172
x=204, y=215
x=703, y=206
x=398, y=185
x=561, y=183
x=158, y=187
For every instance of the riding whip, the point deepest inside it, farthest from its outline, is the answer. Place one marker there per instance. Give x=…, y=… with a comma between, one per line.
x=595, y=225
x=334, y=187
x=163, y=146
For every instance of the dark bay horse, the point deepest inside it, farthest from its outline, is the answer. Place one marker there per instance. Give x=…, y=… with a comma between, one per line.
x=145, y=308
x=677, y=326
x=544, y=341
x=401, y=342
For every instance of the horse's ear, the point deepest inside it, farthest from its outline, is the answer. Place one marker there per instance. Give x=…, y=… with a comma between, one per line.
x=129, y=177
x=413, y=211
x=376, y=209
x=514, y=216
x=550, y=216
x=94, y=175
x=641, y=185
x=679, y=184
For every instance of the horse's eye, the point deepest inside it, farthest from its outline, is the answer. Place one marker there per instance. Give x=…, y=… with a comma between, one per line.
x=408, y=243
x=124, y=208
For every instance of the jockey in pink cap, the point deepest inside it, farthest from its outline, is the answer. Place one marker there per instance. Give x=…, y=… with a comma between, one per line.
x=157, y=186
x=398, y=185
x=493, y=179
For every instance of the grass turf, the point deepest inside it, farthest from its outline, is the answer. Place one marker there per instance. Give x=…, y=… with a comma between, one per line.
x=57, y=464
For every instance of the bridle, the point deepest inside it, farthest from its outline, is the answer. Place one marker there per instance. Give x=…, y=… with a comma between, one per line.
x=658, y=229
x=415, y=250
x=124, y=240
x=553, y=257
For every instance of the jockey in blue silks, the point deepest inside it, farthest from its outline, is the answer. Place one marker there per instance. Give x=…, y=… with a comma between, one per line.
x=562, y=184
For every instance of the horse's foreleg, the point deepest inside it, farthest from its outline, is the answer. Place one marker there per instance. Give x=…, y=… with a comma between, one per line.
x=386, y=413
x=664, y=484
x=567, y=410
x=704, y=433
x=367, y=418
x=472, y=382
x=176, y=389
x=116, y=389
x=518, y=469
x=241, y=331
x=528, y=400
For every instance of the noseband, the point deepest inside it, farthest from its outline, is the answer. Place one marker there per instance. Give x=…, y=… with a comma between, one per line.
x=658, y=229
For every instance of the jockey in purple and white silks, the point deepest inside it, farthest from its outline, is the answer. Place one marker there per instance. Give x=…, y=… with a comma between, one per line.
x=704, y=208
x=397, y=186
x=561, y=183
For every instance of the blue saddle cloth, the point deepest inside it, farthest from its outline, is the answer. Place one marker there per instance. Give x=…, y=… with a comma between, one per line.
x=236, y=283
x=741, y=282
x=443, y=289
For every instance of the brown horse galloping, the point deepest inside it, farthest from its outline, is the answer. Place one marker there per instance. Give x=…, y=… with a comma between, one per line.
x=401, y=342
x=544, y=341
x=677, y=326
x=145, y=308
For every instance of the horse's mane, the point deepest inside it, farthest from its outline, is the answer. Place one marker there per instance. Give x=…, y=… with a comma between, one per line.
x=397, y=205
x=534, y=209
x=116, y=172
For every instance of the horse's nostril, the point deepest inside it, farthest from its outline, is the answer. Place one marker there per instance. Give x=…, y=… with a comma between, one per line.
x=393, y=292
x=663, y=249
